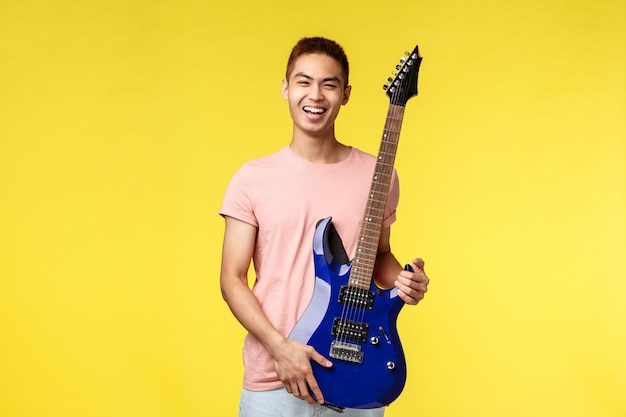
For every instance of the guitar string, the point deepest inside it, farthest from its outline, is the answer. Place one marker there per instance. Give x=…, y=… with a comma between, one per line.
x=355, y=301
x=355, y=305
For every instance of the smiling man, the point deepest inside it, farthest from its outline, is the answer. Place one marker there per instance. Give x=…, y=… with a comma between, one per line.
x=271, y=208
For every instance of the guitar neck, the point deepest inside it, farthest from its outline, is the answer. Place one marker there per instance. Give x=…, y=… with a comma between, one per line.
x=369, y=236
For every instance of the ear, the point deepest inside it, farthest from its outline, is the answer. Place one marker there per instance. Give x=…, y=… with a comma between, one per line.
x=284, y=88
x=346, y=94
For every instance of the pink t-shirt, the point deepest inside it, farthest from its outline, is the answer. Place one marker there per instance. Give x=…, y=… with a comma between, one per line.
x=284, y=196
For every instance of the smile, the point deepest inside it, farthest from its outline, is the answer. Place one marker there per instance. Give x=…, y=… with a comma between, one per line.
x=314, y=110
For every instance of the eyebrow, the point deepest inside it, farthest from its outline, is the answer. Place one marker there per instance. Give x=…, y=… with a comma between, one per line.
x=308, y=77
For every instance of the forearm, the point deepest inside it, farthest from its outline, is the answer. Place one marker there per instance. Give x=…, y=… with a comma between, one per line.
x=386, y=269
x=248, y=311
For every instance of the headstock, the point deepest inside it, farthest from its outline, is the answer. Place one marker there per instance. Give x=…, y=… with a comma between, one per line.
x=403, y=85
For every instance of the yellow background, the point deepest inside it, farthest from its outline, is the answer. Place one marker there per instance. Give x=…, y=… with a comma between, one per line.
x=121, y=123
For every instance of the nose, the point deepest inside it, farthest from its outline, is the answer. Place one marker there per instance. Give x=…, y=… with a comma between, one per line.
x=315, y=93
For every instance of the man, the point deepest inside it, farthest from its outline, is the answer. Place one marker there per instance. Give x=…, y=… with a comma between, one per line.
x=271, y=207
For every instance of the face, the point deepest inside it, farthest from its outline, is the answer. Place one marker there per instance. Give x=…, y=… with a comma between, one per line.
x=316, y=91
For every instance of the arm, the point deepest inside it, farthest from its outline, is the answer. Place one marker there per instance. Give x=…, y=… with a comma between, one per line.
x=388, y=272
x=291, y=359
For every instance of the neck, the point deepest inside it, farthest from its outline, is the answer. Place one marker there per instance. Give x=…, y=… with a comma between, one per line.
x=320, y=150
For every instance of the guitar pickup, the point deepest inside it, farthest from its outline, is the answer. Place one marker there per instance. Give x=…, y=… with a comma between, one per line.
x=356, y=297
x=350, y=330
x=346, y=352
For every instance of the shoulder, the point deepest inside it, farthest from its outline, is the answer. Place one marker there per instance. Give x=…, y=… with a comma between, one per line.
x=280, y=156
x=263, y=165
x=363, y=158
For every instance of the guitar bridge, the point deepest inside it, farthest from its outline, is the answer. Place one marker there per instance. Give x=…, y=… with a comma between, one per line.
x=356, y=297
x=350, y=330
x=348, y=352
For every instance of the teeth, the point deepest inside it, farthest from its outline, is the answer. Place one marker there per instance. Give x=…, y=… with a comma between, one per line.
x=315, y=110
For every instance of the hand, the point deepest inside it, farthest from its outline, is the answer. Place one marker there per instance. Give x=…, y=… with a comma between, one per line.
x=412, y=285
x=292, y=361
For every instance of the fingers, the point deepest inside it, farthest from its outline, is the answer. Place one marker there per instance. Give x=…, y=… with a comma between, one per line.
x=311, y=382
x=315, y=389
x=412, y=285
x=300, y=389
x=321, y=359
x=418, y=263
x=299, y=380
x=305, y=389
x=408, y=294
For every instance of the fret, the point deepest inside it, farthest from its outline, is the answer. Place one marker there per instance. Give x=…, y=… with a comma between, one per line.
x=372, y=249
x=374, y=200
x=364, y=260
x=376, y=191
x=371, y=225
x=385, y=164
x=369, y=250
x=373, y=220
x=373, y=240
x=368, y=236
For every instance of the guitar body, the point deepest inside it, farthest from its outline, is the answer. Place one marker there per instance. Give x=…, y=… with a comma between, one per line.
x=369, y=371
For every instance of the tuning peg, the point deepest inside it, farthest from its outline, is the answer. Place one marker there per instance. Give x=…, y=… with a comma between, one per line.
x=402, y=60
x=385, y=87
x=398, y=66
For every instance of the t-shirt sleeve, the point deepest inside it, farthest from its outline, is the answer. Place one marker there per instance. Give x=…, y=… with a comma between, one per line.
x=392, y=200
x=238, y=198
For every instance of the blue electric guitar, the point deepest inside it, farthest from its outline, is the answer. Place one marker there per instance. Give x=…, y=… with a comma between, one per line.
x=349, y=319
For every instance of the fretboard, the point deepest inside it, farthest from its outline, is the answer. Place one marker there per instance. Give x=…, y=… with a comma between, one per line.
x=362, y=271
